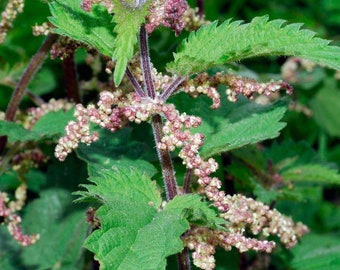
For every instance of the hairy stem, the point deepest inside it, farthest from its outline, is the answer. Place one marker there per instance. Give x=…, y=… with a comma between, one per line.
x=183, y=260
x=187, y=180
x=164, y=156
x=138, y=89
x=200, y=5
x=19, y=91
x=70, y=77
x=165, y=159
x=145, y=62
x=172, y=88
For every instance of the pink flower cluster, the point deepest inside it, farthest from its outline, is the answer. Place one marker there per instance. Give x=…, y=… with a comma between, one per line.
x=203, y=241
x=169, y=13
x=12, y=220
x=248, y=87
x=11, y=11
x=112, y=112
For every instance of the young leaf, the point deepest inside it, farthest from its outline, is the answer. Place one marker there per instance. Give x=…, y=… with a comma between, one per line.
x=233, y=41
x=128, y=21
x=93, y=28
x=234, y=124
x=134, y=232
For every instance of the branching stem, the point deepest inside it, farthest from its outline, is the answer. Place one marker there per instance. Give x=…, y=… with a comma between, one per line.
x=164, y=156
x=138, y=89
x=172, y=88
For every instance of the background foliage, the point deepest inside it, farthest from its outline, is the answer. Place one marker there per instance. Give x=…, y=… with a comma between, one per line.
x=306, y=154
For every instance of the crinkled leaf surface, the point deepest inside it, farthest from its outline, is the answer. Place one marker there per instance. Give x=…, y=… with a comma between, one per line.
x=134, y=233
x=115, y=150
x=62, y=232
x=299, y=162
x=233, y=41
x=93, y=28
x=234, y=124
x=128, y=21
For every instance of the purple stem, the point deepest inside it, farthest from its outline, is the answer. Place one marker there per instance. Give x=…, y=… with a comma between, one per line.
x=164, y=156
x=200, y=5
x=183, y=260
x=172, y=88
x=19, y=91
x=70, y=77
x=165, y=159
x=187, y=179
x=145, y=61
x=136, y=86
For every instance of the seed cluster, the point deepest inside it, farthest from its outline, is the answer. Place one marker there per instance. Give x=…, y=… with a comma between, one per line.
x=8, y=211
x=11, y=11
x=169, y=13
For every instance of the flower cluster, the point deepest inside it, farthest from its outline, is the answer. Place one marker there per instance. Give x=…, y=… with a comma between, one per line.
x=244, y=214
x=206, y=85
x=192, y=20
x=248, y=87
x=12, y=220
x=63, y=48
x=203, y=241
x=169, y=13
x=86, y=5
x=30, y=158
x=293, y=65
x=114, y=110
x=42, y=30
x=8, y=15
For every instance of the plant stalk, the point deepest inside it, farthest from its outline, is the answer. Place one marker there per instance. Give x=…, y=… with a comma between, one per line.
x=70, y=77
x=183, y=260
x=138, y=89
x=164, y=156
x=165, y=159
x=19, y=91
x=145, y=62
x=167, y=92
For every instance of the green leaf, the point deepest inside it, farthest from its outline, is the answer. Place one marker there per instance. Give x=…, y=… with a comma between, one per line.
x=234, y=124
x=93, y=28
x=115, y=150
x=317, y=252
x=326, y=108
x=135, y=233
x=128, y=21
x=16, y=132
x=298, y=162
x=61, y=234
x=53, y=123
x=233, y=41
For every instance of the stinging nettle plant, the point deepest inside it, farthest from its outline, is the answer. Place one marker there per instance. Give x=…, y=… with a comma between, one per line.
x=136, y=225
